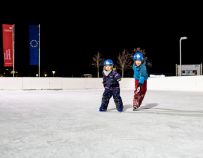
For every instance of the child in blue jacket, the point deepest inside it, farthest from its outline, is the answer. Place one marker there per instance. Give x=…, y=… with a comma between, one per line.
x=140, y=76
x=111, y=80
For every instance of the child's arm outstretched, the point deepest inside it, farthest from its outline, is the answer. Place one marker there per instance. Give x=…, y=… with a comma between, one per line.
x=117, y=76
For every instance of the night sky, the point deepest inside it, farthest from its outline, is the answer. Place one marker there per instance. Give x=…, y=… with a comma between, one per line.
x=71, y=35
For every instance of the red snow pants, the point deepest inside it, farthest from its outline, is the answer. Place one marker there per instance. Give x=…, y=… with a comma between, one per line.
x=138, y=97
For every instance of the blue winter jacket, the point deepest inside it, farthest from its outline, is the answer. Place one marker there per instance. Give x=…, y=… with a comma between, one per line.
x=140, y=73
x=111, y=80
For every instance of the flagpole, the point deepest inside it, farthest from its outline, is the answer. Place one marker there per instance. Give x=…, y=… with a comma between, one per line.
x=13, y=50
x=39, y=51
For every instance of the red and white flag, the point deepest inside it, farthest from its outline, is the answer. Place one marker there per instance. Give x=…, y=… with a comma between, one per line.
x=8, y=44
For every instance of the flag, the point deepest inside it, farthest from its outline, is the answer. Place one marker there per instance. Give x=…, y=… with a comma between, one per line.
x=8, y=44
x=34, y=44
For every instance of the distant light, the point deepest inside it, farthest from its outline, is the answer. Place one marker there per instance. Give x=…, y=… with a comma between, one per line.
x=53, y=72
x=182, y=38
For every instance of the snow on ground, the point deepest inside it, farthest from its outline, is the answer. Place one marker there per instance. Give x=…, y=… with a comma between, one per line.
x=67, y=124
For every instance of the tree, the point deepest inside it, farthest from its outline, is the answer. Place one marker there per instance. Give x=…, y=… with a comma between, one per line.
x=97, y=60
x=124, y=61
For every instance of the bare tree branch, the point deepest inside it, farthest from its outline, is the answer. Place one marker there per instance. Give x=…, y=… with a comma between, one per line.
x=96, y=62
x=124, y=61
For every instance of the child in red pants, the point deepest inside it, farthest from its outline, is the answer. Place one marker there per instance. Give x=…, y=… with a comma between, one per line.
x=140, y=76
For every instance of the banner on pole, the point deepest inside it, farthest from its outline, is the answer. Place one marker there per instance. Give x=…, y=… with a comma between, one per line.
x=34, y=44
x=8, y=44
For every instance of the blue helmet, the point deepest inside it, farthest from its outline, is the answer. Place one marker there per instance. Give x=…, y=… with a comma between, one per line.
x=108, y=62
x=138, y=56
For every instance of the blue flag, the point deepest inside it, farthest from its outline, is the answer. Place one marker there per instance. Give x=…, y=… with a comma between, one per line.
x=34, y=44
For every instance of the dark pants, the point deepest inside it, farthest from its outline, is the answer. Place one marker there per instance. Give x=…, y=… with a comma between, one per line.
x=138, y=97
x=108, y=93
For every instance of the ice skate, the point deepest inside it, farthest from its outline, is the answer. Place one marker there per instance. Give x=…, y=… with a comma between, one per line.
x=135, y=108
x=102, y=109
x=135, y=104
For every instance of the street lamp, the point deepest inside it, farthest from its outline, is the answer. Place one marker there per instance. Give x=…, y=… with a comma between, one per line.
x=53, y=72
x=182, y=38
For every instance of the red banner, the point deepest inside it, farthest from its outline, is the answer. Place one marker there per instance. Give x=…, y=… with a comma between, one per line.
x=8, y=40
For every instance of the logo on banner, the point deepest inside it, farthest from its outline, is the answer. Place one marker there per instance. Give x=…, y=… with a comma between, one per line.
x=34, y=43
x=7, y=54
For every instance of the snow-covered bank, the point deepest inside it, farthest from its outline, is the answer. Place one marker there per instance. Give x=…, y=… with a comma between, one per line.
x=183, y=83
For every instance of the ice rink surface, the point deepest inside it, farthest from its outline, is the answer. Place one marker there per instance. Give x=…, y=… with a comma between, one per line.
x=67, y=124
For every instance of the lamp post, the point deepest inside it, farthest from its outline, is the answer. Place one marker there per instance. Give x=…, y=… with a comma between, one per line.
x=53, y=72
x=182, y=38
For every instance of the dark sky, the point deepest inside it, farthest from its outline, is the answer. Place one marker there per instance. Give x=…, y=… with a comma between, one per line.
x=71, y=35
